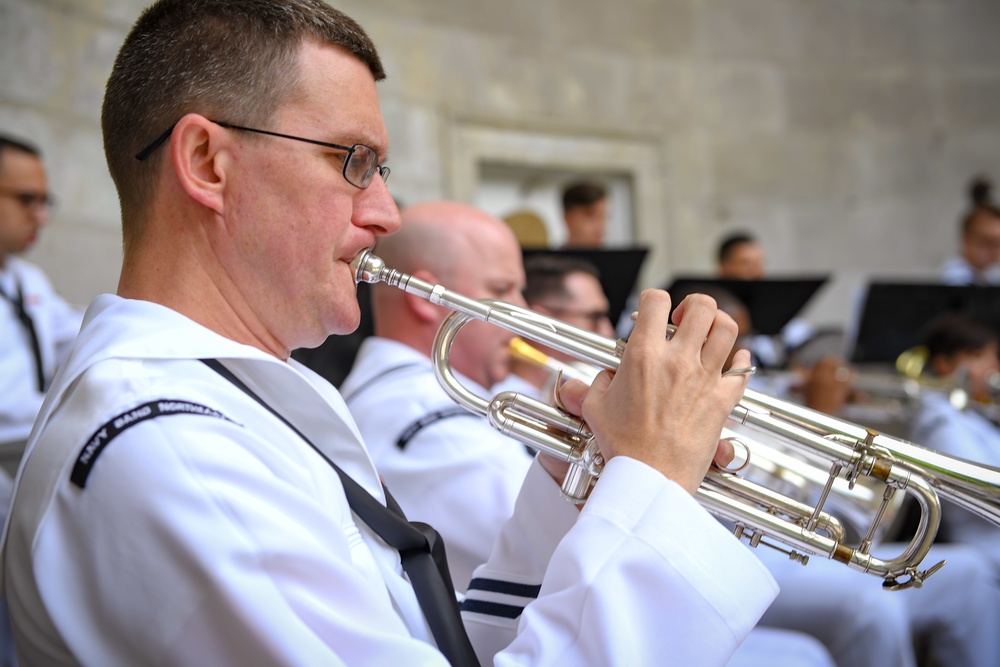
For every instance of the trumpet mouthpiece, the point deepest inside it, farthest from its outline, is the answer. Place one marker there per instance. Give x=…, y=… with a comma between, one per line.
x=367, y=267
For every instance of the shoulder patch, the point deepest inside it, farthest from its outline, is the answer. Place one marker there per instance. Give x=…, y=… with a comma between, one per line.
x=425, y=421
x=107, y=432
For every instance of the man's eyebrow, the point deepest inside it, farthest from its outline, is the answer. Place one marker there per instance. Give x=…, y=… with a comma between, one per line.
x=380, y=147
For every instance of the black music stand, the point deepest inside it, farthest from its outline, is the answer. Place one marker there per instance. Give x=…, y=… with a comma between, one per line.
x=619, y=269
x=896, y=314
x=772, y=302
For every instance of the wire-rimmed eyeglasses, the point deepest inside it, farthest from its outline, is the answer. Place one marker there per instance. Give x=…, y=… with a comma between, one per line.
x=360, y=164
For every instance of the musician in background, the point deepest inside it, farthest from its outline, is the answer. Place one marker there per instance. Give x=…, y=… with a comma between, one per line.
x=962, y=365
x=740, y=257
x=445, y=465
x=569, y=289
x=980, y=241
x=585, y=214
x=36, y=325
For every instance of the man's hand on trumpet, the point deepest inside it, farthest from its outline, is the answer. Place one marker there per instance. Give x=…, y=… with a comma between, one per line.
x=668, y=401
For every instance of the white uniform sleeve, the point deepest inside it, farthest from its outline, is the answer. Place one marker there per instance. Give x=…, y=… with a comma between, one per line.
x=645, y=576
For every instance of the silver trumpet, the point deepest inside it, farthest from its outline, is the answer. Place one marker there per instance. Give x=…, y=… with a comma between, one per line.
x=800, y=530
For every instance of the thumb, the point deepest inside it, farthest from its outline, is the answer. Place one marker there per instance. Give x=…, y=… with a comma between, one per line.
x=599, y=387
x=570, y=396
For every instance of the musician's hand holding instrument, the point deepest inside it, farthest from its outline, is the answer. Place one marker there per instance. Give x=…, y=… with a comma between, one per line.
x=627, y=412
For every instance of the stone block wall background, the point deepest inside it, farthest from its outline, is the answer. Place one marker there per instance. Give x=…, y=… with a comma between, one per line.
x=842, y=132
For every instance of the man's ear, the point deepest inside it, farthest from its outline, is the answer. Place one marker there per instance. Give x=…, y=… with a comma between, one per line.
x=199, y=155
x=423, y=309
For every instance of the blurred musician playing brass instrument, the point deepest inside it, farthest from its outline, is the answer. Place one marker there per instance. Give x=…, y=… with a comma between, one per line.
x=893, y=399
x=962, y=352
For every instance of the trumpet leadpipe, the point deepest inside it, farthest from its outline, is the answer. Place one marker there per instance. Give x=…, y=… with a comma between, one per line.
x=578, y=343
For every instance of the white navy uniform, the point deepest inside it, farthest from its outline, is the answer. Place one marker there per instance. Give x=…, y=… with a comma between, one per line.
x=955, y=613
x=56, y=324
x=212, y=534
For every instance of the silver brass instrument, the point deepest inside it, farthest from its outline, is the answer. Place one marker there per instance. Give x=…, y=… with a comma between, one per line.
x=852, y=452
x=783, y=468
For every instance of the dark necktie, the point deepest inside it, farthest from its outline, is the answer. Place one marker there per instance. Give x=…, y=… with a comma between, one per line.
x=29, y=325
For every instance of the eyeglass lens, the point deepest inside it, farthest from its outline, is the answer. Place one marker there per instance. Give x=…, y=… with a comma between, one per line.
x=362, y=165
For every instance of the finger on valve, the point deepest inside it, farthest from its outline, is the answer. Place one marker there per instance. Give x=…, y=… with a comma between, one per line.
x=663, y=407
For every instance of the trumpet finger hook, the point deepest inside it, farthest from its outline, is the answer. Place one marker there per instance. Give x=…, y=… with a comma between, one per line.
x=746, y=461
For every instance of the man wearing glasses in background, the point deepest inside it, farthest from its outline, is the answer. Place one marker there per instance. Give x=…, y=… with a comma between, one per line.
x=567, y=289
x=36, y=324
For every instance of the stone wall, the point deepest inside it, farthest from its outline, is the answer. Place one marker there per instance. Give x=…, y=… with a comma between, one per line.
x=842, y=132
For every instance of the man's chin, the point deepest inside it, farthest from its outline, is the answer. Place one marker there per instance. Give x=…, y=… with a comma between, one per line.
x=347, y=320
x=344, y=314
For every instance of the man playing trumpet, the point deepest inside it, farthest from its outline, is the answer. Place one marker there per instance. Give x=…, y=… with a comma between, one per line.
x=191, y=496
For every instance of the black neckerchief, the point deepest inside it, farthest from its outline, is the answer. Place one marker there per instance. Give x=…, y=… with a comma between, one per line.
x=18, y=302
x=420, y=547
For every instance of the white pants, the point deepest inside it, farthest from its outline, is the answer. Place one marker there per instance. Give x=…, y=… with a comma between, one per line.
x=955, y=613
x=858, y=622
